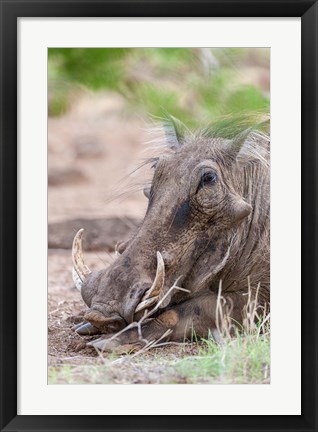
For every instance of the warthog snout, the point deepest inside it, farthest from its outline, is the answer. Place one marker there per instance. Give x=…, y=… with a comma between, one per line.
x=113, y=297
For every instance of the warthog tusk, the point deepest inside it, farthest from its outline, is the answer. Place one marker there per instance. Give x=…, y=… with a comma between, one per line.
x=80, y=270
x=76, y=279
x=159, y=281
x=144, y=304
x=156, y=291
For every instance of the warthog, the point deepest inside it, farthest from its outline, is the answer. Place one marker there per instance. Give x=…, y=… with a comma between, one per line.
x=206, y=225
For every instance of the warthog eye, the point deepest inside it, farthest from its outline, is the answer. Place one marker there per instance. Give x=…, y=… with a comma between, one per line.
x=208, y=178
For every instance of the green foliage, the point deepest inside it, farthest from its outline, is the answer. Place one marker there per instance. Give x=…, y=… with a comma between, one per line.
x=248, y=97
x=96, y=68
x=167, y=60
x=156, y=100
x=158, y=80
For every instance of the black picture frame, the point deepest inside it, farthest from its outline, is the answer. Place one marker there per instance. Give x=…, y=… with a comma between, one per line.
x=11, y=10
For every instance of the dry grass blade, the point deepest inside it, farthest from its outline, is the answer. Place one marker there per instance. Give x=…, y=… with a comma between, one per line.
x=250, y=311
x=261, y=328
x=253, y=322
x=152, y=344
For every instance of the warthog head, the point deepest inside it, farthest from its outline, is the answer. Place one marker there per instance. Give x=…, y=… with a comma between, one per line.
x=196, y=202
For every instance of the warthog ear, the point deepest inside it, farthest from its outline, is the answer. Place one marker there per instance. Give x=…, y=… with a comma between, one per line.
x=175, y=131
x=238, y=141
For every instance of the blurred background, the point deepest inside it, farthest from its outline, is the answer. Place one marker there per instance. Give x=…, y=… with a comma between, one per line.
x=101, y=101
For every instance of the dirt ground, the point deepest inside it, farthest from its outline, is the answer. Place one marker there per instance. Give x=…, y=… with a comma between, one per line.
x=70, y=360
x=89, y=154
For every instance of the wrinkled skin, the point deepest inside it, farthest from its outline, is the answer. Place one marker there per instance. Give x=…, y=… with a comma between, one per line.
x=199, y=202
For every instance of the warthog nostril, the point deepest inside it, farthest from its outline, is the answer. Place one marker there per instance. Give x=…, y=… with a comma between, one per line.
x=104, y=324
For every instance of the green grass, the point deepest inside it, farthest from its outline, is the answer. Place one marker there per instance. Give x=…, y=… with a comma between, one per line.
x=241, y=360
x=81, y=374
